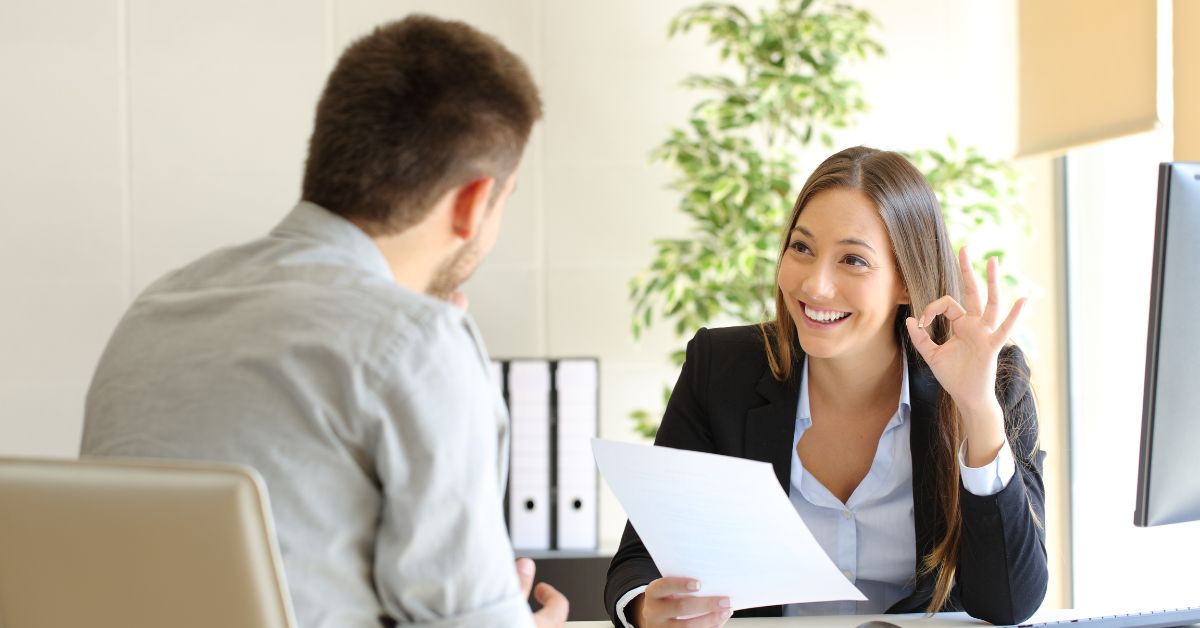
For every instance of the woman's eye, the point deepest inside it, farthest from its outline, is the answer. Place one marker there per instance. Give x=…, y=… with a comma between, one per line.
x=799, y=247
x=855, y=260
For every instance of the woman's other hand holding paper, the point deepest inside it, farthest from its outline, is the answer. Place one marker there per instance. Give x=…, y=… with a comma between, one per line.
x=673, y=602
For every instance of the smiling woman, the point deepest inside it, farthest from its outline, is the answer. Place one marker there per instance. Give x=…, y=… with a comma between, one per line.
x=897, y=418
x=840, y=289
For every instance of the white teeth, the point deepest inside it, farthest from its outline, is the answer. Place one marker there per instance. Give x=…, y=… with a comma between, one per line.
x=824, y=316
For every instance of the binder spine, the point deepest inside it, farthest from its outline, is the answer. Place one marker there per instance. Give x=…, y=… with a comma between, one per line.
x=553, y=455
x=499, y=372
x=529, y=477
x=551, y=496
x=577, y=405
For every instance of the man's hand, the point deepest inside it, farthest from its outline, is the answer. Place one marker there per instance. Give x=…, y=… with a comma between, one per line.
x=554, y=604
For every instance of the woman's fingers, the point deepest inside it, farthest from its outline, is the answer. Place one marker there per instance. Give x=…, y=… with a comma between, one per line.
x=665, y=587
x=972, y=300
x=708, y=620
x=673, y=601
x=920, y=339
x=1011, y=320
x=992, y=310
x=693, y=606
x=946, y=306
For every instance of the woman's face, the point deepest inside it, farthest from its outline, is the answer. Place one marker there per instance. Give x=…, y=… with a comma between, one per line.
x=839, y=277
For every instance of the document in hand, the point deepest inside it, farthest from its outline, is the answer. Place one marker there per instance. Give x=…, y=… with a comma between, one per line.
x=723, y=521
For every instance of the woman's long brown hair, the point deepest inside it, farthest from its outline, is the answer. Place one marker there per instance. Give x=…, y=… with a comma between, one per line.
x=929, y=269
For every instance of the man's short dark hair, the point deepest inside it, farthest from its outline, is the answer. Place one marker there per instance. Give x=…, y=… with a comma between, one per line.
x=412, y=110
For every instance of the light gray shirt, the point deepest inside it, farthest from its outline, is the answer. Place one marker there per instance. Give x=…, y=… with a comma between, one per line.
x=366, y=407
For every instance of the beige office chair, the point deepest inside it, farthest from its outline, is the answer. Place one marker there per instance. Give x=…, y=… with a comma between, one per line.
x=137, y=544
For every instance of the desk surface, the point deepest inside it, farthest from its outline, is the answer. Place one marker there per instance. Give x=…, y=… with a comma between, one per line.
x=940, y=620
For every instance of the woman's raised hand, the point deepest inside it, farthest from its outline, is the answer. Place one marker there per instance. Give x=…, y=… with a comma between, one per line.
x=965, y=365
x=673, y=602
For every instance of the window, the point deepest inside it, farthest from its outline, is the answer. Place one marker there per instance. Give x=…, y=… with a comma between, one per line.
x=1110, y=199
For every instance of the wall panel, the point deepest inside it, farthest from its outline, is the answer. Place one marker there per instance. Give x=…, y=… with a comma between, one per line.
x=222, y=98
x=61, y=223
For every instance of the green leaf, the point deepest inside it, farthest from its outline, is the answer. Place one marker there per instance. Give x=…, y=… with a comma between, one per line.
x=721, y=189
x=736, y=155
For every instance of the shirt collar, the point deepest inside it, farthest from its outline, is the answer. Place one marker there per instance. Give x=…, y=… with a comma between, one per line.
x=310, y=221
x=804, y=408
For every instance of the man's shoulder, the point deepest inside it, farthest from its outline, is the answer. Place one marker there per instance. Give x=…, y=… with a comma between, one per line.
x=266, y=294
x=306, y=277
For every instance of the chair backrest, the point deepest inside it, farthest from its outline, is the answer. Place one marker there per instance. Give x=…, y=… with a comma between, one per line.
x=133, y=544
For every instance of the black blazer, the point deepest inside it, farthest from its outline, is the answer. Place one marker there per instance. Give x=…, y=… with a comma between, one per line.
x=727, y=402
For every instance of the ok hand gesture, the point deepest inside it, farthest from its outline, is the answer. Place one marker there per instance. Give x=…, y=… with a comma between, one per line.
x=965, y=365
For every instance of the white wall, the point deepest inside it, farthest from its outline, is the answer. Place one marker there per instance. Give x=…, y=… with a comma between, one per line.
x=138, y=134
x=63, y=230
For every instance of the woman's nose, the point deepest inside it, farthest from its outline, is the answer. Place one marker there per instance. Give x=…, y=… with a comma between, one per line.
x=819, y=282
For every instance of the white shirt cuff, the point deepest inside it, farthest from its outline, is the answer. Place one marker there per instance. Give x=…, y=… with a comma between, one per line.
x=624, y=601
x=991, y=478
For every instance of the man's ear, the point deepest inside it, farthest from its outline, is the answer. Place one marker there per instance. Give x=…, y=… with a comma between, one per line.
x=471, y=201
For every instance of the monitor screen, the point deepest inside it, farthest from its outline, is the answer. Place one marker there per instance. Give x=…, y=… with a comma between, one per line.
x=1169, y=469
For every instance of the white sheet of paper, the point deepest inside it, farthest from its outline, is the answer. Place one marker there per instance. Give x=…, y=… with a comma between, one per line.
x=723, y=521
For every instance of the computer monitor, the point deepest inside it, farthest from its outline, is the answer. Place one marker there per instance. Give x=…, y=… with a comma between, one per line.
x=1169, y=470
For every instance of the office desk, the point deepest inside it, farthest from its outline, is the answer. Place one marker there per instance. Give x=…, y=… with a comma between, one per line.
x=940, y=620
x=578, y=575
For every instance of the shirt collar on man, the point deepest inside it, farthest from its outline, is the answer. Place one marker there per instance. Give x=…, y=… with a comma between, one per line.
x=309, y=221
x=313, y=222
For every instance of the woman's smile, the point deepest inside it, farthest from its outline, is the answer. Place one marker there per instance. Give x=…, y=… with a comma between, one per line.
x=822, y=318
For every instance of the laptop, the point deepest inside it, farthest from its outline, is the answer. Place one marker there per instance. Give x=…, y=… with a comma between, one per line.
x=137, y=544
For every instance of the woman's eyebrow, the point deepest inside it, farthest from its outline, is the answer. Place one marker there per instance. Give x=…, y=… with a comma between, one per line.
x=809, y=234
x=857, y=241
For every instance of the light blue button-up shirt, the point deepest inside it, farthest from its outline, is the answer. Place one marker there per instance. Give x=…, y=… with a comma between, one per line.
x=872, y=537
